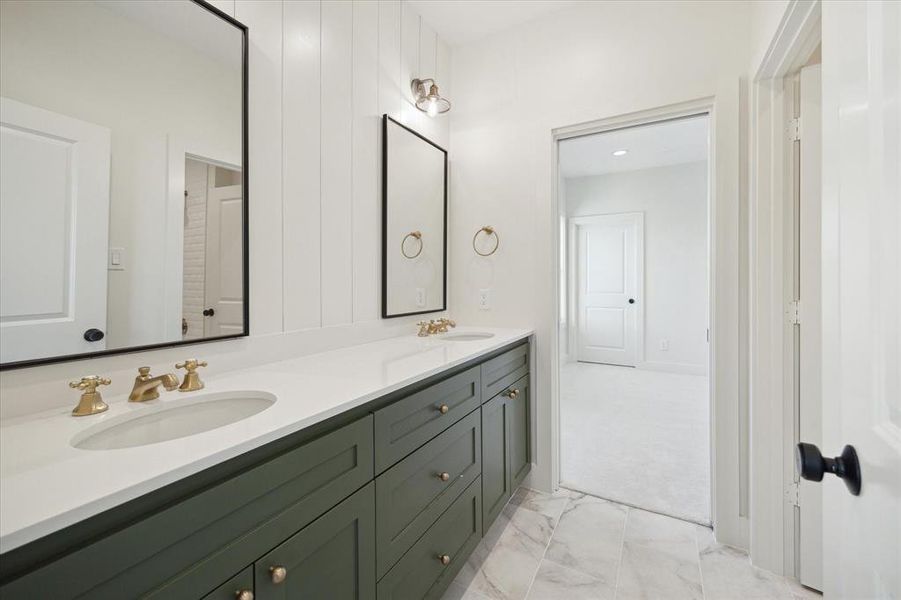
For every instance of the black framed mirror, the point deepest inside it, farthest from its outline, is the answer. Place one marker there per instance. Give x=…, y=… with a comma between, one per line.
x=414, y=222
x=123, y=204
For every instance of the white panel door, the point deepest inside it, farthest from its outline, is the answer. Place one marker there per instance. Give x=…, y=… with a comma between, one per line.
x=54, y=225
x=608, y=256
x=224, y=281
x=810, y=349
x=862, y=295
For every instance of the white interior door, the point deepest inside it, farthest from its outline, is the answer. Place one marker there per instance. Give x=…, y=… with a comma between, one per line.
x=224, y=281
x=608, y=252
x=810, y=344
x=862, y=294
x=54, y=230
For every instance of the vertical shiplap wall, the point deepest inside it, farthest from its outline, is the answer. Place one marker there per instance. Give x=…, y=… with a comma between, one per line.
x=321, y=75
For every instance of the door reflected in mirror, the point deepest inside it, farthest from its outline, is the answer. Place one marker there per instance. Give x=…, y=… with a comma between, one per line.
x=123, y=202
x=414, y=251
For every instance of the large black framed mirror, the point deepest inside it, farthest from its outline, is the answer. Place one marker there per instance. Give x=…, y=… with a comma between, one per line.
x=414, y=222
x=123, y=177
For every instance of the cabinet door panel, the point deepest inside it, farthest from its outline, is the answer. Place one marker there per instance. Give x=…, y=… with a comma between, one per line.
x=333, y=557
x=518, y=415
x=496, y=481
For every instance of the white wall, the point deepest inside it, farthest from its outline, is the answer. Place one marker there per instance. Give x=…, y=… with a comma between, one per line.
x=674, y=202
x=578, y=65
x=321, y=75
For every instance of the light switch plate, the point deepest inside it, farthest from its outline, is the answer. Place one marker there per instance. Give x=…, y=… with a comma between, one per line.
x=664, y=344
x=420, y=297
x=116, y=259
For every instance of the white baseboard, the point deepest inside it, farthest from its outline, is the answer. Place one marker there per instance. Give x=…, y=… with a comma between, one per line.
x=684, y=368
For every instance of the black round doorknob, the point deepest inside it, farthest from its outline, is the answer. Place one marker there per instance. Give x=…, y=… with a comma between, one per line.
x=631, y=300
x=93, y=335
x=209, y=312
x=812, y=465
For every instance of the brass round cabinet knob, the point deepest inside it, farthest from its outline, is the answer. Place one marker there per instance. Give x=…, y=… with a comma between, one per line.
x=244, y=595
x=444, y=558
x=444, y=476
x=278, y=573
x=443, y=409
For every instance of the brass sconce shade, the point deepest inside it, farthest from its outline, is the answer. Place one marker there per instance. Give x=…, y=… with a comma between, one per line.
x=428, y=100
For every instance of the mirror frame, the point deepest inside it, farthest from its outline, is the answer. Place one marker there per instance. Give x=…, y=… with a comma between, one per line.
x=385, y=119
x=245, y=154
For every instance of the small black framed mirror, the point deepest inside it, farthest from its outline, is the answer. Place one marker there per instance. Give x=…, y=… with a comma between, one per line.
x=414, y=222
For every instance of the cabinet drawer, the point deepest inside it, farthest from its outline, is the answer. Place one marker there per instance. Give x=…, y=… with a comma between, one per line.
x=421, y=573
x=411, y=494
x=230, y=590
x=501, y=371
x=333, y=557
x=188, y=549
x=407, y=424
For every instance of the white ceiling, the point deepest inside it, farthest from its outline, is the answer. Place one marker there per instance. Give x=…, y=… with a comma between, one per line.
x=462, y=21
x=657, y=145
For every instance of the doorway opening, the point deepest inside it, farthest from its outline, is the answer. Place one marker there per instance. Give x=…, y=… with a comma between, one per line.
x=212, y=276
x=635, y=417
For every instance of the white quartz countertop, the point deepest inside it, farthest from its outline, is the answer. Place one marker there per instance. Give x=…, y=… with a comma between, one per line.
x=46, y=484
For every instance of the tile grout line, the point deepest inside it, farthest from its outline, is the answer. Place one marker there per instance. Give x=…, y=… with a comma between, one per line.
x=700, y=570
x=622, y=549
x=546, y=546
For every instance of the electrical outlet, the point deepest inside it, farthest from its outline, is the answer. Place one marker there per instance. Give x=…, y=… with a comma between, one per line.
x=420, y=297
x=116, y=259
x=485, y=299
x=664, y=345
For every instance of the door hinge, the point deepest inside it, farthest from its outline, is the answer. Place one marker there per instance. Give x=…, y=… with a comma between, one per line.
x=794, y=129
x=793, y=494
x=794, y=312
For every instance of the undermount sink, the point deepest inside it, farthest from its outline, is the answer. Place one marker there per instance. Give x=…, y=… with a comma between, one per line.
x=468, y=336
x=172, y=420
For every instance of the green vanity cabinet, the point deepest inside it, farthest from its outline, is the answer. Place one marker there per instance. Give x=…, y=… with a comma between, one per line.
x=431, y=564
x=242, y=583
x=386, y=500
x=407, y=424
x=333, y=557
x=496, y=479
x=506, y=455
x=414, y=492
x=518, y=413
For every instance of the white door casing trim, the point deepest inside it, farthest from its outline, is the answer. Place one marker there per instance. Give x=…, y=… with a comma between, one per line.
x=728, y=458
x=772, y=515
x=573, y=278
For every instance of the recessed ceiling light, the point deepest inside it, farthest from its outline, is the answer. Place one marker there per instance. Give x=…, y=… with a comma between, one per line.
x=620, y=152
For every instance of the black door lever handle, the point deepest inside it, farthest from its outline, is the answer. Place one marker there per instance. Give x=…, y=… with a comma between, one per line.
x=812, y=465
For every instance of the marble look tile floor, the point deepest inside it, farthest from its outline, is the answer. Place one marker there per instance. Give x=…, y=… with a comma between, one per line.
x=572, y=546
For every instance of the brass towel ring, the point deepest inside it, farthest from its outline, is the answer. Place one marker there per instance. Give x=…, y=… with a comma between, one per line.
x=413, y=234
x=489, y=230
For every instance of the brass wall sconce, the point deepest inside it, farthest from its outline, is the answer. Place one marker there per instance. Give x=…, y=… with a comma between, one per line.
x=428, y=100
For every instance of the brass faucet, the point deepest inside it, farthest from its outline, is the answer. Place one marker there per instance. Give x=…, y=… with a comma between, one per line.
x=443, y=324
x=146, y=387
x=431, y=327
x=91, y=402
x=192, y=381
